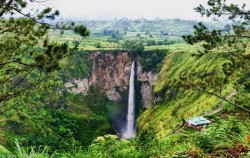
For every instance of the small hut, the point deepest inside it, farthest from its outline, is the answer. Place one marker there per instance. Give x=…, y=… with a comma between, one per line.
x=198, y=121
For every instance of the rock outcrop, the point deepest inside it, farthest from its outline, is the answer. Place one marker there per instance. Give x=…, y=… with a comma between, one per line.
x=147, y=79
x=78, y=86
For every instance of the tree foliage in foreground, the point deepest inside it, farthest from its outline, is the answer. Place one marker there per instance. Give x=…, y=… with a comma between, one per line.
x=28, y=58
x=232, y=43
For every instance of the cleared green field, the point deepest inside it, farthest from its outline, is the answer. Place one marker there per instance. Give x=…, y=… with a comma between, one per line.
x=111, y=35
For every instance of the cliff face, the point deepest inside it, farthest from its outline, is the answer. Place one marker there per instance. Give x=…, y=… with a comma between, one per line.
x=147, y=79
x=110, y=73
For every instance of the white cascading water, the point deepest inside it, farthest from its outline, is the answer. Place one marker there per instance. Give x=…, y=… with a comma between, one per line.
x=130, y=128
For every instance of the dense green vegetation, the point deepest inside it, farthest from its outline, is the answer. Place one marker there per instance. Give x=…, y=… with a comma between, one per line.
x=62, y=120
x=42, y=118
x=227, y=137
x=223, y=138
x=61, y=124
x=77, y=66
x=76, y=116
x=152, y=60
x=177, y=102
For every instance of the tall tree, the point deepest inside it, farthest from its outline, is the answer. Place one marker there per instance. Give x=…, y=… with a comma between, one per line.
x=232, y=42
x=28, y=58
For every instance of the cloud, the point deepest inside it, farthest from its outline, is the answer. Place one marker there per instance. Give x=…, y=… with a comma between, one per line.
x=110, y=9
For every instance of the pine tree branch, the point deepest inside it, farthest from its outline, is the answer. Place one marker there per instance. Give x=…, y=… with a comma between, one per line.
x=34, y=19
x=6, y=7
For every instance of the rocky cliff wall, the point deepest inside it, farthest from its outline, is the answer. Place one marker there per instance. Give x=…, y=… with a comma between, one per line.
x=110, y=73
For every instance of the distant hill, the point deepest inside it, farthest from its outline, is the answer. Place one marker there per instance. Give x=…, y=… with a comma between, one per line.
x=174, y=27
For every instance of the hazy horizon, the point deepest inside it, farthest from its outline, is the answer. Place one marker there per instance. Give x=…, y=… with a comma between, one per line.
x=131, y=9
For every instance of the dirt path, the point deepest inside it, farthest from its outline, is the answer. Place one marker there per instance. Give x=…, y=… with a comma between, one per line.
x=222, y=105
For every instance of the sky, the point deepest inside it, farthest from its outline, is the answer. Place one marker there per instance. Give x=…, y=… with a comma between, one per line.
x=133, y=9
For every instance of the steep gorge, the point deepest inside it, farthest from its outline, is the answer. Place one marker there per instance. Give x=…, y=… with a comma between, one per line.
x=97, y=90
x=109, y=73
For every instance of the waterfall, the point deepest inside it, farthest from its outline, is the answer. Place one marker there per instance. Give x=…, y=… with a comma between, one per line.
x=130, y=126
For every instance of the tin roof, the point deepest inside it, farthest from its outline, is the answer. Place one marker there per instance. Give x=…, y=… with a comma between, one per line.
x=196, y=121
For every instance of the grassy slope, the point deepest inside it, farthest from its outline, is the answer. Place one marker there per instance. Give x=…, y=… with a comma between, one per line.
x=165, y=117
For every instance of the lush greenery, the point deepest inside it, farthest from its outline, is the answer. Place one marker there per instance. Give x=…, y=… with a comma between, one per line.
x=42, y=118
x=76, y=66
x=152, y=60
x=228, y=137
x=70, y=121
x=225, y=138
x=232, y=42
x=76, y=116
x=177, y=102
x=28, y=57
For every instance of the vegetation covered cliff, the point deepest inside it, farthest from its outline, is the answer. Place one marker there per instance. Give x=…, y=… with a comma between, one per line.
x=177, y=102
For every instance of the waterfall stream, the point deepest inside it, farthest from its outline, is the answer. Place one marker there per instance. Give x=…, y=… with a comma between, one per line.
x=130, y=127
